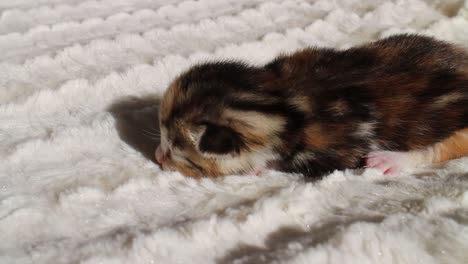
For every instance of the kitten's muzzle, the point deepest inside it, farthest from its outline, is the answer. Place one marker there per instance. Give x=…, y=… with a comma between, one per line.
x=162, y=156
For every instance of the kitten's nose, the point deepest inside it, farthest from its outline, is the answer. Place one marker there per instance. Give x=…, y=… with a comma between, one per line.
x=161, y=155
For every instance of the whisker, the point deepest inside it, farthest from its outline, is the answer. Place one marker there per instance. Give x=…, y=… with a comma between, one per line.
x=155, y=133
x=151, y=136
x=152, y=139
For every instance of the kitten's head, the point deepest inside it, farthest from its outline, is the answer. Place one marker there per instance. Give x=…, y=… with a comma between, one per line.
x=219, y=118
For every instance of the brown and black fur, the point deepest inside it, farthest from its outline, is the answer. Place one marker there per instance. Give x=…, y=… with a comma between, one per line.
x=402, y=93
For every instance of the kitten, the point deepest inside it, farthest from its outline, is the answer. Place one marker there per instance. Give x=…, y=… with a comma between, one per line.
x=395, y=103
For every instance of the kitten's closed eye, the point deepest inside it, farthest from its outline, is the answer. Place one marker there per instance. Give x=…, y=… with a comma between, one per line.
x=220, y=140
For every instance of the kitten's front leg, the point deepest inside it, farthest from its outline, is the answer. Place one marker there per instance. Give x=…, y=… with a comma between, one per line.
x=319, y=163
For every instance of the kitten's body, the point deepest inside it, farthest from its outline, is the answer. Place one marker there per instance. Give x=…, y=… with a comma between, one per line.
x=318, y=110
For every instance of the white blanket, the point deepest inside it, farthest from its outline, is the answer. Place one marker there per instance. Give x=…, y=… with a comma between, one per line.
x=79, y=82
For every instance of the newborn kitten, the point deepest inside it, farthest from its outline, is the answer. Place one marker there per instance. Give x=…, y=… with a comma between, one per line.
x=395, y=103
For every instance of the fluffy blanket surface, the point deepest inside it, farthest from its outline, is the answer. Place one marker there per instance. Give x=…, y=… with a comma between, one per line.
x=79, y=89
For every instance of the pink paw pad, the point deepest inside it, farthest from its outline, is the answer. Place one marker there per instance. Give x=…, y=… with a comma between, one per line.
x=389, y=162
x=256, y=172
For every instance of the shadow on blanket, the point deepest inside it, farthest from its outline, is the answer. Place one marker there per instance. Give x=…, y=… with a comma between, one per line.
x=137, y=123
x=281, y=242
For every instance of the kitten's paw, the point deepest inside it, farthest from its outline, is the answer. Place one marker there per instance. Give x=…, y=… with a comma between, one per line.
x=256, y=172
x=389, y=162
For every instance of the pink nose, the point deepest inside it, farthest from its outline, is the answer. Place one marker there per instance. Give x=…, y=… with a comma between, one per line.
x=161, y=155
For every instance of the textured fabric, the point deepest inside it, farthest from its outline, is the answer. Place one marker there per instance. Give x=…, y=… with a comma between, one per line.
x=79, y=86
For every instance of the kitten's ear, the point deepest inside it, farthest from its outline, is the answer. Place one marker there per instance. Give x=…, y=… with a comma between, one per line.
x=219, y=140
